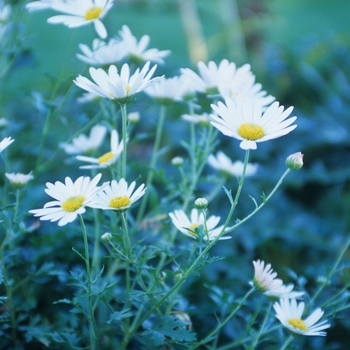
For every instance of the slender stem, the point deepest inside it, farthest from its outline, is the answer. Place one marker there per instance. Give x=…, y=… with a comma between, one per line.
x=96, y=261
x=288, y=341
x=94, y=341
x=329, y=275
x=154, y=159
x=222, y=324
x=262, y=328
x=124, y=136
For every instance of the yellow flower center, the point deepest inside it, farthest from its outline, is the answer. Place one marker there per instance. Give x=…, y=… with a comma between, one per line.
x=128, y=88
x=298, y=323
x=93, y=13
x=105, y=158
x=192, y=228
x=119, y=202
x=73, y=203
x=251, y=131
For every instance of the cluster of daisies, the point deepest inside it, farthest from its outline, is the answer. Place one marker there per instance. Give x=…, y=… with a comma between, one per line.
x=288, y=311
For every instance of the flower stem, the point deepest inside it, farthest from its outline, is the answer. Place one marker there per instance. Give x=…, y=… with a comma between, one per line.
x=124, y=136
x=222, y=324
x=288, y=341
x=154, y=158
x=94, y=342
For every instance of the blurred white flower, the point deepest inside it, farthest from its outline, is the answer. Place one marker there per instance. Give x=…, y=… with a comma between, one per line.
x=137, y=50
x=106, y=159
x=167, y=90
x=197, y=224
x=224, y=165
x=102, y=53
x=243, y=119
x=81, y=12
x=289, y=314
x=41, y=5
x=86, y=144
x=265, y=281
x=87, y=97
x=19, y=180
x=5, y=143
x=118, y=195
x=114, y=86
x=70, y=199
x=202, y=119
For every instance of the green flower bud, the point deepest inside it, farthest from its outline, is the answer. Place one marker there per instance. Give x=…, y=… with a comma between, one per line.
x=201, y=203
x=295, y=161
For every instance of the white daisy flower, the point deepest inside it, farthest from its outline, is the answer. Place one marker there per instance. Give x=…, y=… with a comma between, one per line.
x=224, y=165
x=5, y=143
x=209, y=75
x=70, y=199
x=244, y=120
x=81, y=12
x=86, y=144
x=167, y=90
x=192, y=226
x=114, y=86
x=102, y=53
x=106, y=159
x=118, y=196
x=265, y=281
x=137, y=50
x=289, y=314
x=19, y=180
x=243, y=83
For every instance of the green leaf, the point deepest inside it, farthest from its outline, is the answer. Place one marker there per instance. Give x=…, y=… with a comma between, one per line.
x=171, y=327
x=119, y=315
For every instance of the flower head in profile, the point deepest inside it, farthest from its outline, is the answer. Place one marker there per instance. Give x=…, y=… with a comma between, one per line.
x=265, y=281
x=118, y=195
x=102, y=53
x=290, y=313
x=197, y=225
x=225, y=166
x=114, y=86
x=86, y=144
x=243, y=119
x=19, y=180
x=167, y=90
x=203, y=119
x=71, y=198
x=137, y=51
x=78, y=13
x=5, y=143
x=106, y=159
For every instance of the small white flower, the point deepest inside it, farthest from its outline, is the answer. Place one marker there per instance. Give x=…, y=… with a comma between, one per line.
x=118, y=195
x=5, y=143
x=102, y=53
x=137, y=50
x=244, y=120
x=224, y=165
x=201, y=119
x=114, y=86
x=86, y=144
x=81, y=12
x=70, y=199
x=265, y=281
x=289, y=314
x=106, y=159
x=192, y=226
x=19, y=180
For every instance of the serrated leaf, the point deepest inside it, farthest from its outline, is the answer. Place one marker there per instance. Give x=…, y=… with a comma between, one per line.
x=119, y=315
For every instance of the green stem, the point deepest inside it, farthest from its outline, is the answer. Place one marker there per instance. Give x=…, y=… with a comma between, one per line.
x=222, y=324
x=94, y=341
x=329, y=275
x=288, y=341
x=124, y=136
x=262, y=328
x=154, y=159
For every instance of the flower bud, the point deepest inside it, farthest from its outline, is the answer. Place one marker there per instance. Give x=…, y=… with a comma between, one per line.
x=177, y=161
x=295, y=161
x=19, y=180
x=106, y=237
x=201, y=203
x=134, y=117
